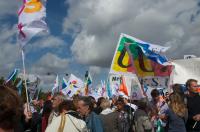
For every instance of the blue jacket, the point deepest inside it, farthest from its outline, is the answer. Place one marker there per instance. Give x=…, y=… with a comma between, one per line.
x=94, y=123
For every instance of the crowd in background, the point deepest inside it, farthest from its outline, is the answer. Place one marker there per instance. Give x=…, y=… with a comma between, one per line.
x=177, y=111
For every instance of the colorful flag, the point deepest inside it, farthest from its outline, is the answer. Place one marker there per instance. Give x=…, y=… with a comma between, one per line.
x=31, y=20
x=56, y=85
x=64, y=83
x=75, y=86
x=123, y=87
x=145, y=57
x=88, y=83
x=13, y=76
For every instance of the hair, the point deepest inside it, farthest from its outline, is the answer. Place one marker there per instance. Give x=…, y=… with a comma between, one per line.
x=60, y=96
x=189, y=81
x=105, y=103
x=66, y=105
x=155, y=93
x=177, y=105
x=10, y=108
x=87, y=101
x=99, y=101
x=120, y=100
x=142, y=104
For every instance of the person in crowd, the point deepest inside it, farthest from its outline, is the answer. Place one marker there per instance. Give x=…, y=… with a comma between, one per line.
x=113, y=102
x=56, y=100
x=193, y=100
x=46, y=111
x=85, y=108
x=129, y=107
x=68, y=120
x=123, y=119
x=177, y=89
x=176, y=114
x=158, y=108
x=141, y=118
x=108, y=117
x=10, y=109
x=98, y=108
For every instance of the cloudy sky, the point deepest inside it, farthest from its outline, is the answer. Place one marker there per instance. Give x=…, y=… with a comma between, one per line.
x=83, y=34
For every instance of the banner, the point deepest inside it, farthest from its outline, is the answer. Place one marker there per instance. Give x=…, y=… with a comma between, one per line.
x=185, y=69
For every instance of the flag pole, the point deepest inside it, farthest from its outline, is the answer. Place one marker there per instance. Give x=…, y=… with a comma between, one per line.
x=25, y=83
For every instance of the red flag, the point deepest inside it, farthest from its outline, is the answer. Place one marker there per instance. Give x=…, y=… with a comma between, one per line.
x=123, y=87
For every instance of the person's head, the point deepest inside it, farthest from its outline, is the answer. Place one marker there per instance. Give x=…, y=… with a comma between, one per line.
x=155, y=95
x=142, y=104
x=120, y=104
x=177, y=105
x=85, y=105
x=126, y=99
x=99, y=101
x=66, y=106
x=93, y=101
x=56, y=100
x=105, y=103
x=191, y=84
x=10, y=108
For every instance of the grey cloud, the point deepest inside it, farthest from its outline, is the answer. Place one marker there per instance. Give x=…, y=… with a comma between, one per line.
x=164, y=23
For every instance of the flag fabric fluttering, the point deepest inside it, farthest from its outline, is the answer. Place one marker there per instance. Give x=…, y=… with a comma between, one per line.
x=56, y=85
x=31, y=20
x=88, y=83
x=64, y=83
x=147, y=58
x=19, y=87
x=32, y=86
x=108, y=89
x=13, y=76
x=74, y=86
x=123, y=87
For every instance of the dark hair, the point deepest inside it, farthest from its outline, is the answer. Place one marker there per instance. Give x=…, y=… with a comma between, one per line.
x=120, y=100
x=87, y=101
x=189, y=81
x=10, y=108
x=66, y=105
x=155, y=93
x=100, y=100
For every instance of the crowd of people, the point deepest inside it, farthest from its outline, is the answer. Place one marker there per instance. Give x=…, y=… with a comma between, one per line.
x=177, y=111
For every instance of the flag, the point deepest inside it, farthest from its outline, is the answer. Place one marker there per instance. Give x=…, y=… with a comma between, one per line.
x=88, y=83
x=13, y=76
x=103, y=89
x=56, y=85
x=74, y=86
x=31, y=20
x=19, y=87
x=123, y=87
x=64, y=83
x=32, y=87
x=145, y=57
x=109, y=91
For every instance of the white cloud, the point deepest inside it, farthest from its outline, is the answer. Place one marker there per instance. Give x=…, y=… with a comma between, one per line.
x=50, y=63
x=10, y=53
x=9, y=7
x=100, y=23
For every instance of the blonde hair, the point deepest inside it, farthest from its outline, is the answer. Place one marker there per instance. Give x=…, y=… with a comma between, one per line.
x=177, y=105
